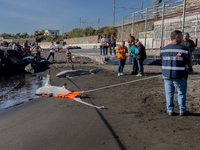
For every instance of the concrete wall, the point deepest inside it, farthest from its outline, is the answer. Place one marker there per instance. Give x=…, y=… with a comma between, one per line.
x=139, y=26
x=192, y=26
x=46, y=45
x=82, y=40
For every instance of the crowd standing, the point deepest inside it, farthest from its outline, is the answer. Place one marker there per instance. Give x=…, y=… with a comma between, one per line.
x=105, y=43
x=176, y=57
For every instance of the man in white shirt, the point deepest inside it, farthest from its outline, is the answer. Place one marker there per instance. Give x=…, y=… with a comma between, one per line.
x=52, y=51
x=105, y=45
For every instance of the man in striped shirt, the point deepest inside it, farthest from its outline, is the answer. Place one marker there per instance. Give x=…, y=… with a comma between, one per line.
x=174, y=59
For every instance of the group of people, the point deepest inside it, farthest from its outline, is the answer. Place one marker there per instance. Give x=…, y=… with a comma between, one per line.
x=53, y=50
x=106, y=43
x=27, y=49
x=176, y=65
x=137, y=50
x=176, y=57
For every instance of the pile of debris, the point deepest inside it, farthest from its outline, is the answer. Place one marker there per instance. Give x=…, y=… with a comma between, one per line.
x=13, y=60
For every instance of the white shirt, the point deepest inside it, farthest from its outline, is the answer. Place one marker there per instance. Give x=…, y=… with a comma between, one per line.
x=100, y=42
x=104, y=40
x=54, y=49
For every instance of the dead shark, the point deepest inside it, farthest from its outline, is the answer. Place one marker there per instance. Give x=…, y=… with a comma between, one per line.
x=71, y=73
x=48, y=89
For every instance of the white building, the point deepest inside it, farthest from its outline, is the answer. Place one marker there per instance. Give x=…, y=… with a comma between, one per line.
x=51, y=32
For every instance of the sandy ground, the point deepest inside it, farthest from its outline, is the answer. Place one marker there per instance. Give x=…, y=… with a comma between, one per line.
x=134, y=117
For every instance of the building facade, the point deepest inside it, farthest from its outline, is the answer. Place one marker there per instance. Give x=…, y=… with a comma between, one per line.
x=52, y=32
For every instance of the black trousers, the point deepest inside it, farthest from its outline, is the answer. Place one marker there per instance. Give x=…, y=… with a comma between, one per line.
x=51, y=54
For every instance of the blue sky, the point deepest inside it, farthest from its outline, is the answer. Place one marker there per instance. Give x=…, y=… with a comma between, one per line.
x=31, y=15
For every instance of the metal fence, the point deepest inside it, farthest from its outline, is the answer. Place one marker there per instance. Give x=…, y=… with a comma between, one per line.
x=181, y=14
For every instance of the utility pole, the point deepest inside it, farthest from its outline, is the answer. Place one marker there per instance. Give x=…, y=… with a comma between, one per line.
x=98, y=22
x=63, y=29
x=183, y=21
x=155, y=7
x=141, y=10
x=80, y=23
x=114, y=14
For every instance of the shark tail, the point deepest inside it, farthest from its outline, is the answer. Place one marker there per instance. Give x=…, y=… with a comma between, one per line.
x=48, y=79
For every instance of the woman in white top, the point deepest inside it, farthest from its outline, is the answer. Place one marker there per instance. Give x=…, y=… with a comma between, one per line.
x=112, y=45
x=101, y=44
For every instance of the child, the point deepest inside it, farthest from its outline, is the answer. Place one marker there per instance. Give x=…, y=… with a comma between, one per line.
x=69, y=57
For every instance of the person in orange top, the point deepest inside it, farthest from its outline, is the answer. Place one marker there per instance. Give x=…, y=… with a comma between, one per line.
x=121, y=50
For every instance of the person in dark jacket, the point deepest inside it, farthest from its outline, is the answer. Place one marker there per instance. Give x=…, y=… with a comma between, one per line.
x=174, y=59
x=140, y=56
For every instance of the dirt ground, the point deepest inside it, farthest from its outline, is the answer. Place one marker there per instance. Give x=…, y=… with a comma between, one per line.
x=135, y=113
x=134, y=117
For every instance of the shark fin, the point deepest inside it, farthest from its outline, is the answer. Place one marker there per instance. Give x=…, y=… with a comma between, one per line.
x=48, y=79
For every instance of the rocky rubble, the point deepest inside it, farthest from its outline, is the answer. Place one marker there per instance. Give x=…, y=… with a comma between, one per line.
x=13, y=60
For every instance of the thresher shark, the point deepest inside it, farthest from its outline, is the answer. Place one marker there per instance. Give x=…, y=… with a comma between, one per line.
x=56, y=91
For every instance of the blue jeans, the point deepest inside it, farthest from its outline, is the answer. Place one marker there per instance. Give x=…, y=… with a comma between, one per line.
x=51, y=54
x=181, y=87
x=105, y=49
x=134, y=65
x=114, y=52
x=101, y=47
x=140, y=66
x=121, y=65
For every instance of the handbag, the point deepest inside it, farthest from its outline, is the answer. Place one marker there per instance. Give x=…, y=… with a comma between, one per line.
x=138, y=57
x=106, y=44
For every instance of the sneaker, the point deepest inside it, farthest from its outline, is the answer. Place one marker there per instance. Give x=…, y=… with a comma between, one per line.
x=119, y=74
x=132, y=72
x=170, y=113
x=186, y=113
x=139, y=75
